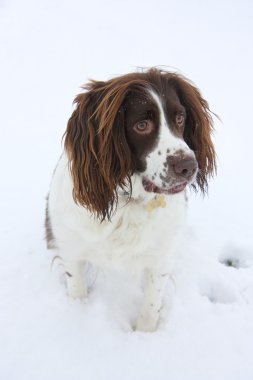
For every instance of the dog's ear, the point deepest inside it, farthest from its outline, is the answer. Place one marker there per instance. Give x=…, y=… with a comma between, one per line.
x=198, y=129
x=99, y=155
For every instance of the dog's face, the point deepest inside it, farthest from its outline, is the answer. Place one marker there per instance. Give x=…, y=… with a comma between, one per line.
x=154, y=127
x=155, y=124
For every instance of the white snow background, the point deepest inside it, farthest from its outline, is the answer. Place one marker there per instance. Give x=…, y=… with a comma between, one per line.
x=47, y=50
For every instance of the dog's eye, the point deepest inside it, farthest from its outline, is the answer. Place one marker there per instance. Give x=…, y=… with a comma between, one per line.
x=144, y=126
x=180, y=120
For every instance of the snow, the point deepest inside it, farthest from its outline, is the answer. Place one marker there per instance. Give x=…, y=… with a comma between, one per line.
x=48, y=49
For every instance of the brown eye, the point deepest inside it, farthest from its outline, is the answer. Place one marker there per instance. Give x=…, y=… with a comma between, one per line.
x=180, y=120
x=144, y=126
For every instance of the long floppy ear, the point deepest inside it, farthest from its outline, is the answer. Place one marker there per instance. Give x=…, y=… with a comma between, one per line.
x=95, y=142
x=198, y=130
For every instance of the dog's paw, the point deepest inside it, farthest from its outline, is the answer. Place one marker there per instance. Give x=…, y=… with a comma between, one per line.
x=76, y=290
x=146, y=324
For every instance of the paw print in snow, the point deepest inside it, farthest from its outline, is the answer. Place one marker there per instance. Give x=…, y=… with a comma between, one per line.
x=223, y=285
x=237, y=257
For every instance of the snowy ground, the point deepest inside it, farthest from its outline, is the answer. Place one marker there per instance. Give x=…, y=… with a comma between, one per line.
x=48, y=49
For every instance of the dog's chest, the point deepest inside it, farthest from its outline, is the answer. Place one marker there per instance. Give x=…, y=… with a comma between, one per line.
x=137, y=233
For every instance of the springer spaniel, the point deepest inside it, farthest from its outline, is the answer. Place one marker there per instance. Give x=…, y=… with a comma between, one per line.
x=117, y=196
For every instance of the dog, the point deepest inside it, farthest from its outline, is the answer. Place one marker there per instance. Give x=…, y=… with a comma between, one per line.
x=117, y=197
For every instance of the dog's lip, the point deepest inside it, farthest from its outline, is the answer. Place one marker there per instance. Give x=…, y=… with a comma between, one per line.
x=177, y=188
x=150, y=187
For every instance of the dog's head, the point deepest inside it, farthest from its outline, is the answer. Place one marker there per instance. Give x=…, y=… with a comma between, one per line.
x=153, y=123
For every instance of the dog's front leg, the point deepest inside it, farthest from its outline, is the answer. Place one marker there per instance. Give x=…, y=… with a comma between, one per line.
x=76, y=282
x=154, y=287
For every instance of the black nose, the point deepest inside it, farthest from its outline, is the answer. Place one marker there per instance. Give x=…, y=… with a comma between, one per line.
x=183, y=166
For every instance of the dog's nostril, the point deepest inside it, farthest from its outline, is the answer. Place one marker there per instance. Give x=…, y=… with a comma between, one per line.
x=179, y=169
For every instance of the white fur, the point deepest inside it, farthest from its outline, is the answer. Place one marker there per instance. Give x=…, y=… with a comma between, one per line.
x=134, y=238
x=168, y=144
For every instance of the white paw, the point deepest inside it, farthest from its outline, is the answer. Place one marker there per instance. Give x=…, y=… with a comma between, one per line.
x=77, y=293
x=146, y=324
x=76, y=290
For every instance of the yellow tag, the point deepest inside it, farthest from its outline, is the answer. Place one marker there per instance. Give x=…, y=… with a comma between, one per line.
x=158, y=201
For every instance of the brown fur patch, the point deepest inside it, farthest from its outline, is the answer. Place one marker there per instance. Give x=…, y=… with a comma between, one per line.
x=49, y=236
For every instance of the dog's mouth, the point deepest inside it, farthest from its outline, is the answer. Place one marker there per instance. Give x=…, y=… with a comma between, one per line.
x=150, y=187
